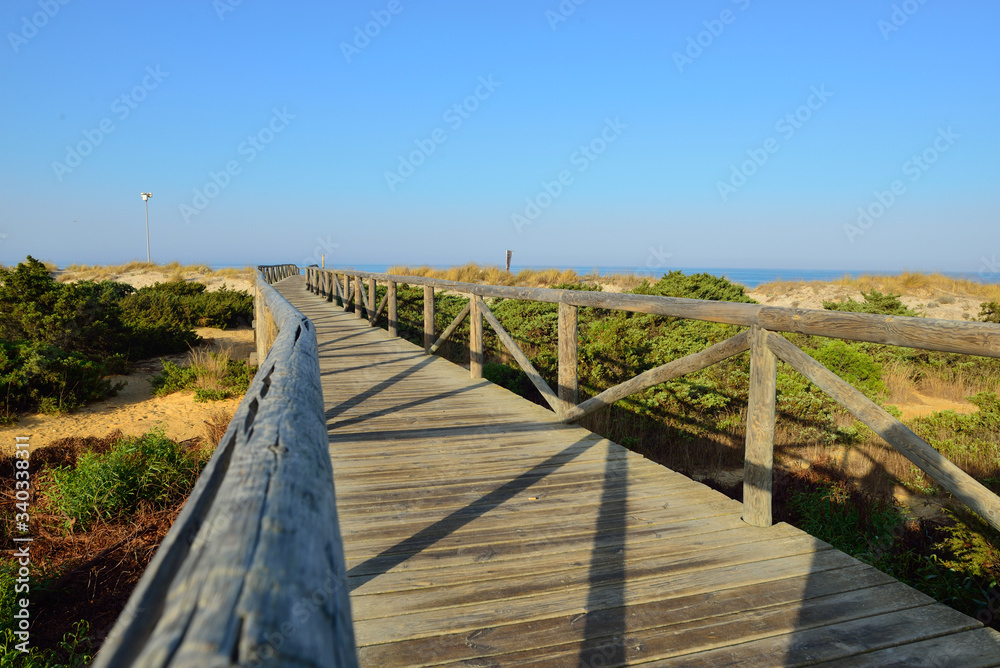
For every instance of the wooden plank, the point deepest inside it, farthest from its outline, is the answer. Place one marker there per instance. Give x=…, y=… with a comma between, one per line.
x=673, y=369
x=359, y=298
x=569, y=393
x=650, y=555
x=451, y=328
x=378, y=312
x=757, y=474
x=393, y=312
x=522, y=359
x=739, y=570
x=371, y=301
x=812, y=636
x=898, y=435
x=978, y=648
x=496, y=641
x=428, y=318
x=476, y=338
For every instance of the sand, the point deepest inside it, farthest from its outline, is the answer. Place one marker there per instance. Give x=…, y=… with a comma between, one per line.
x=812, y=295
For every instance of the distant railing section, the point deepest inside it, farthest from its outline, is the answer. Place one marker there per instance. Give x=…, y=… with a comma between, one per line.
x=252, y=572
x=275, y=272
x=766, y=346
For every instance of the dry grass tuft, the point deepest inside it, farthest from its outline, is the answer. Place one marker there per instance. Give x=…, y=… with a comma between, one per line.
x=212, y=367
x=216, y=426
x=529, y=278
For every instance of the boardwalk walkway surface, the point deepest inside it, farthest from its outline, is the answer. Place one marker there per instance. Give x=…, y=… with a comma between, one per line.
x=480, y=531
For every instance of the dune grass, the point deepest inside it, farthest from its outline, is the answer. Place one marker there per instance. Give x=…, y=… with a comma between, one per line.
x=914, y=283
x=526, y=278
x=173, y=271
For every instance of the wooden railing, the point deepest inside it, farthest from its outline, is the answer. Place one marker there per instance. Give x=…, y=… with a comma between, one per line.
x=275, y=272
x=766, y=346
x=252, y=571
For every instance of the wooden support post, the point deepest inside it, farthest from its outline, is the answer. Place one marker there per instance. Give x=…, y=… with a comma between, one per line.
x=393, y=314
x=371, y=301
x=347, y=292
x=359, y=298
x=759, y=456
x=476, y=337
x=428, y=318
x=569, y=394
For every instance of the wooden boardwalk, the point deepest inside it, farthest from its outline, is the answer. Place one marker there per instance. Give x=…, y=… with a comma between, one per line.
x=480, y=531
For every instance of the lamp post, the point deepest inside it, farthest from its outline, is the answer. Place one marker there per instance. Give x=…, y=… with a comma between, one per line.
x=145, y=198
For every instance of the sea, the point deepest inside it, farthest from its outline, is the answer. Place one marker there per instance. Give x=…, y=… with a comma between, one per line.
x=748, y=277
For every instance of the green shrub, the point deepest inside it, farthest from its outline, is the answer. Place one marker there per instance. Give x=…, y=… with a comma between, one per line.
x=150, y=469
x=173, y=378
x=696, y=286
x=875, y=302
x=850, y=361
x=861, y=526
x=989, y=312
x=39, y=376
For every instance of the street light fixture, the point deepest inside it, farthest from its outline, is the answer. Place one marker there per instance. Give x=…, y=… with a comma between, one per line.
x=145, y=198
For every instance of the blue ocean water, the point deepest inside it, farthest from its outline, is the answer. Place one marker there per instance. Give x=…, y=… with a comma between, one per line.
x=748, y=277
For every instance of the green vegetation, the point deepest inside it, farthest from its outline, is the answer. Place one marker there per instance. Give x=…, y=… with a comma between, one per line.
x=103, y=491
x=212, y=375
x=989, y=312
x=875, y=302
x=149, y=470
x=59, y=341
x=73, y=650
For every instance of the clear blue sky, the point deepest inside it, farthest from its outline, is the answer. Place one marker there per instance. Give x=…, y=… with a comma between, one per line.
x=350, y=145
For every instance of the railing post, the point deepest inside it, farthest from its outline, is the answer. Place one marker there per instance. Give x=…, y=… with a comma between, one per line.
x=569, y=394
x=475, y=338
x=759, y=456
x=428, y=318
x=358, y=298
x=347, y=292
x=371, y=301
x=393, y=315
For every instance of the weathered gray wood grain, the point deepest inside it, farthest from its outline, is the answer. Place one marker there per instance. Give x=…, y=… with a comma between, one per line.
x=252, y=571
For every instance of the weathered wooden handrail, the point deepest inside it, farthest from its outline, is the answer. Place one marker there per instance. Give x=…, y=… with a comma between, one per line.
x=273, y=273
x=252, y=571
x=972, y=338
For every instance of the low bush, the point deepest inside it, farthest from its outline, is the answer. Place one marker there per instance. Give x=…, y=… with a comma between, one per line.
x=150, y=469
x=875, y=302
x=989, y=312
